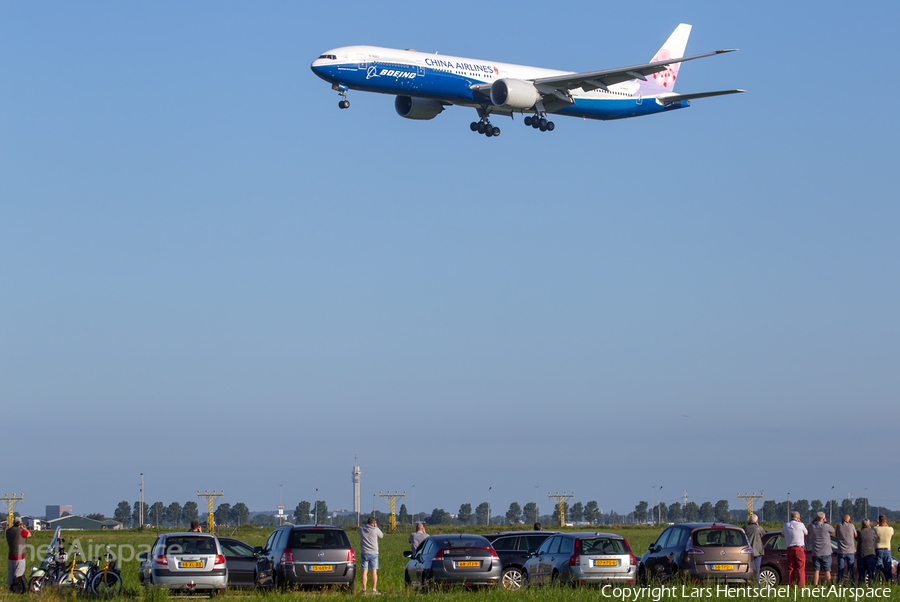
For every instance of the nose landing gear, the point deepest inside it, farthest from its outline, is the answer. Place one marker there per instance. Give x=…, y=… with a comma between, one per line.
x=342, y=90
x=539, y=122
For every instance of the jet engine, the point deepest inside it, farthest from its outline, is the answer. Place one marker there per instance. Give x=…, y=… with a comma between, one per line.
x=514, y=94
x=412, y=107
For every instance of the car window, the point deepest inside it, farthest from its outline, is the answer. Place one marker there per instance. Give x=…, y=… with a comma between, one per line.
x=545, y=547
x=185, y=544
x=427, y=548
x=720, y=538
x=505, y=543
x=834, y=546
x=602, y=545
x=663, y=539
x=566, y=545
x=319, y=539
x=775, y=543
x=236, y=548
x=270, y=543
x=677, y=540
x=553, y=546
x=533, y=542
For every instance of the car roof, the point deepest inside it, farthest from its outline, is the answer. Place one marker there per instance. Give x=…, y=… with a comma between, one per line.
x=188, y=534
x=587, y=534
x=333, y=527
x=708, y=525
x=522, y=532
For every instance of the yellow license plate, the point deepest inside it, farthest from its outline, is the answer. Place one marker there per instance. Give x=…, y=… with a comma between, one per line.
x=468, y=563
x=191, y=565
x=606, y=563
x=321, y=567
x=723, y=567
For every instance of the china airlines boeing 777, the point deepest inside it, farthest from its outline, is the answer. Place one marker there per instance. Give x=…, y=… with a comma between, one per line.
x=427, y=83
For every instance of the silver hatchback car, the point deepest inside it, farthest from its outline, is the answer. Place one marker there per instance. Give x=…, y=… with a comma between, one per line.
x=582, y=558
x=190, y=561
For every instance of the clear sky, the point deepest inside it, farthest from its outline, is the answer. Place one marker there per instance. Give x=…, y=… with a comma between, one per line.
x=212, y=275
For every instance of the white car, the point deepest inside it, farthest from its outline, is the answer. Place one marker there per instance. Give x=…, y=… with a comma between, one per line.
x=190, y=561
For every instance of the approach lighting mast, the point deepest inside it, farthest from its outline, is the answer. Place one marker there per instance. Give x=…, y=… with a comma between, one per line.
x=392, y=505
x=10, y=504
x=749, y=498
x=210, y=503
x=561, y=504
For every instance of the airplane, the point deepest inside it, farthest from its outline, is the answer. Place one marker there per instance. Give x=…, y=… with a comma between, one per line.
x=424, y=84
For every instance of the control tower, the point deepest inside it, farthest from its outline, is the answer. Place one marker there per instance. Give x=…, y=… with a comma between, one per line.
x=356, y=473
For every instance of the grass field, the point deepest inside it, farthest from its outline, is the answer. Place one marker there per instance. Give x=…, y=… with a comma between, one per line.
x=390, y=574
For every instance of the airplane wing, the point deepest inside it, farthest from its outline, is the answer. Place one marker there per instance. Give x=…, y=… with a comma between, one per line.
x=593, y=80
x=678, y=97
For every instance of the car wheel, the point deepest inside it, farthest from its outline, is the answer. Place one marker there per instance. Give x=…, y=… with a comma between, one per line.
x=351, y=587
x=769, y=577
x=554, y=578
x=512, y=578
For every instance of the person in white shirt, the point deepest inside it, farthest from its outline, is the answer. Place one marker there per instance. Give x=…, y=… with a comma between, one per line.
x=795, y=532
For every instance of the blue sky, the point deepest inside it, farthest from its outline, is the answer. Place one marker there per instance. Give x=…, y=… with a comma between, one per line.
x=214, y=276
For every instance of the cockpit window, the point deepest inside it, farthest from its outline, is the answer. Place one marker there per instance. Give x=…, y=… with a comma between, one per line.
x=328, y=56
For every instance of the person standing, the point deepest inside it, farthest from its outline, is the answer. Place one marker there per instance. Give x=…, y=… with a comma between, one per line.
x=883, y=535
x=820, y=543
x=369, y=534
x=754, y=534
x=416, y=538
x=15, y=539
x=866, y=539
x=794, y=533
x=538, y=527
x=846, y=542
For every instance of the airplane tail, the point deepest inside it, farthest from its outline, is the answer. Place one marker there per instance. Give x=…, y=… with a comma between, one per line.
x=672, y=49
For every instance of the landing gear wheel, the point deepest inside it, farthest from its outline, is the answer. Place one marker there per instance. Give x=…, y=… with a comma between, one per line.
x=550, y=126
x=528, y=120
x=488, y=131
x=496, y=131
x=543, y=127
x=512, y=578
x=473, y=126
x=535, y=122
x=344, y=104
x=543, y=124
x=481, y=127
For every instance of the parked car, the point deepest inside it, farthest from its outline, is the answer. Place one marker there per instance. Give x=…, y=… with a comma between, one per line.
x=453, y=559
x=513, y=548
x=306, y=555
x=240, y=560
x=773, y=569
x=191, y=561
x=582, y=558
x=700, y=551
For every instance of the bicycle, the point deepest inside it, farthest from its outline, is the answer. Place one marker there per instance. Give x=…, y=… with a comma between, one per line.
x=105, y=582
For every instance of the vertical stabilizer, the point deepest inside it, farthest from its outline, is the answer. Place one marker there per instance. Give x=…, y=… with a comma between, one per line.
x=672, y=49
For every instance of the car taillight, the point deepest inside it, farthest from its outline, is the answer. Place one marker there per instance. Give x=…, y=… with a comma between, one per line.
x=693, y=551
x=494, y=554
x=630, y=553
x=287, y=556
x=747, y=550
x=161, y=560
x=439, y=555
x=219, y=559
x=351, y=555
x=633, y=560
x=575, y=560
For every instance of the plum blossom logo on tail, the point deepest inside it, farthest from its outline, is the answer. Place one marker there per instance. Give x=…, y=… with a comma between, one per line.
x=666, y=78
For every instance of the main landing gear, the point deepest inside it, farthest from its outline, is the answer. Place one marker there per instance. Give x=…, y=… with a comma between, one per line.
x=484, y=127
x=540, y=122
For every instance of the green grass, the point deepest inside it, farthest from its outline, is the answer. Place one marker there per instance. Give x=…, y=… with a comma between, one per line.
x=390, y=575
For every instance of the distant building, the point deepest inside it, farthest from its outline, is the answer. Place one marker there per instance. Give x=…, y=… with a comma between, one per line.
x=57, y=511
x=111, y=524
x=75, y=523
